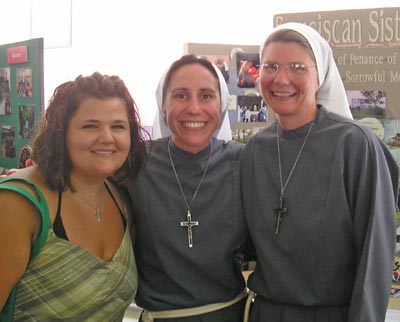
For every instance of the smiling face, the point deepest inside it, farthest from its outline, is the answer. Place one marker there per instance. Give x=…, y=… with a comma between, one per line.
x=192, y=107
x=291, y=95
x=98, y=137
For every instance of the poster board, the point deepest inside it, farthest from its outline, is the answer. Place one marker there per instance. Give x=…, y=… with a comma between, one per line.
x=366, y=47
x=239, y=64
x=21, y=97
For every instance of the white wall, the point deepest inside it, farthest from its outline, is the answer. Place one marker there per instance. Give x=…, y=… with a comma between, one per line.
x=137, y=40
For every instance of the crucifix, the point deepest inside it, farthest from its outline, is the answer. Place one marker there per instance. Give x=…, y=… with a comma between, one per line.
x=98, y=214
x=281, y=210
x=189, y=224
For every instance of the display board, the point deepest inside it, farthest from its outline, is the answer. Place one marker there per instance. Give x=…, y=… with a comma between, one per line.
x=21, y=97
x=366, y=47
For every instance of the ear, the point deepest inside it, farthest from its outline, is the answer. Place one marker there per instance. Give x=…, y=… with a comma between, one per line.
x=164, y=113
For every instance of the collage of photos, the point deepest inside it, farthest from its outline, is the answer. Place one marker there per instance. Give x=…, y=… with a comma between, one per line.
x=247, y=111
x=23, y=90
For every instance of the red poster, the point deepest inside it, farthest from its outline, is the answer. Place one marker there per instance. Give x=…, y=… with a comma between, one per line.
x=17, y=55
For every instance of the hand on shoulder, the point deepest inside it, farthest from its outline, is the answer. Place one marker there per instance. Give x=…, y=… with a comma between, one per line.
x=11, y=171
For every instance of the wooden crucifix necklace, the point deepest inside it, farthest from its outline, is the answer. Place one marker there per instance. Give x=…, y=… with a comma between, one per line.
x=281, y=210
x=189, y=224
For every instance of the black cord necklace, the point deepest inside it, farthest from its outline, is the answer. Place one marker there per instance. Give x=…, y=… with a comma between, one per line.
x=281, y=210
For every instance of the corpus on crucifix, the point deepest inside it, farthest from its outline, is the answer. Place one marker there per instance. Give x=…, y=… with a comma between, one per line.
x=189, y=224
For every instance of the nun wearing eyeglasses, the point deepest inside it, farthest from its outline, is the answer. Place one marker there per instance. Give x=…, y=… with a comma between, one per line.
x=319, y=192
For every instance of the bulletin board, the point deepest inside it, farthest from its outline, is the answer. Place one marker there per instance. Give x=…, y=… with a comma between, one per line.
x=21, y=97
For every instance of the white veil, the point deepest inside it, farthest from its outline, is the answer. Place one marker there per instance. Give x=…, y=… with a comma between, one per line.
x=161, y=129
x=331, y=93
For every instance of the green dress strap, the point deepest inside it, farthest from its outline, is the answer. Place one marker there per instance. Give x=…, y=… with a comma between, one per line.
x=39, y=201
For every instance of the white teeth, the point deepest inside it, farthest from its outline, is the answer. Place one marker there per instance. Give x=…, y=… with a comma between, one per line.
x=194, y=124
x=103, y=152
x=282, y=94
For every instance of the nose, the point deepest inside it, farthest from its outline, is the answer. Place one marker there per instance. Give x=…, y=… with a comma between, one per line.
x=106, y=135
x=194, y=106
x=282, y=76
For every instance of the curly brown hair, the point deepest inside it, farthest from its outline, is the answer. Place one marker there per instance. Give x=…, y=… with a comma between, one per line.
x=50, y=152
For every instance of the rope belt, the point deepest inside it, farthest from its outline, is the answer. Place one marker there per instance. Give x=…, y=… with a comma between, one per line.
x=149, y=316
x=249, y=300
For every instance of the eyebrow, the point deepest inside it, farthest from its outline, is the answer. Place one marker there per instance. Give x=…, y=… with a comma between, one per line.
x=97, y=121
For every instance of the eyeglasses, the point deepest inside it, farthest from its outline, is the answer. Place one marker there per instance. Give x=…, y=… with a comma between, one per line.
x=295, y=69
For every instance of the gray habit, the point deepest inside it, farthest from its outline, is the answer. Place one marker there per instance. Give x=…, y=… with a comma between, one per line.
x=332, y=258
x=172, y=275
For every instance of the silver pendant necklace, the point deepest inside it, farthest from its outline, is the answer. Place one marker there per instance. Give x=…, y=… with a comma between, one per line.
x=97, y=210
x=281, y=210
x=189, y=224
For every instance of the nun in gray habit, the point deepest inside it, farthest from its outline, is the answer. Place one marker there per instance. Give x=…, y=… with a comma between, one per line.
x=319, y=197
x=190, y=228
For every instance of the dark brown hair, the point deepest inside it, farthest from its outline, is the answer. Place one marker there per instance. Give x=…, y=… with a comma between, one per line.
x=183, y=61
x=50, y=151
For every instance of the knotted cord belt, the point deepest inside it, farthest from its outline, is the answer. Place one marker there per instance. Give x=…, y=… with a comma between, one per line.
x=250, y=298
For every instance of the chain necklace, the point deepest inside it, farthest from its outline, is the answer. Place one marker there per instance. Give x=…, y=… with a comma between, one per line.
x=281, y=210
x=97, y=210
x=189, y=224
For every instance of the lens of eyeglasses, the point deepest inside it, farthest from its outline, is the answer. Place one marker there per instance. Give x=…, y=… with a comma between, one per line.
x=292, y=68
